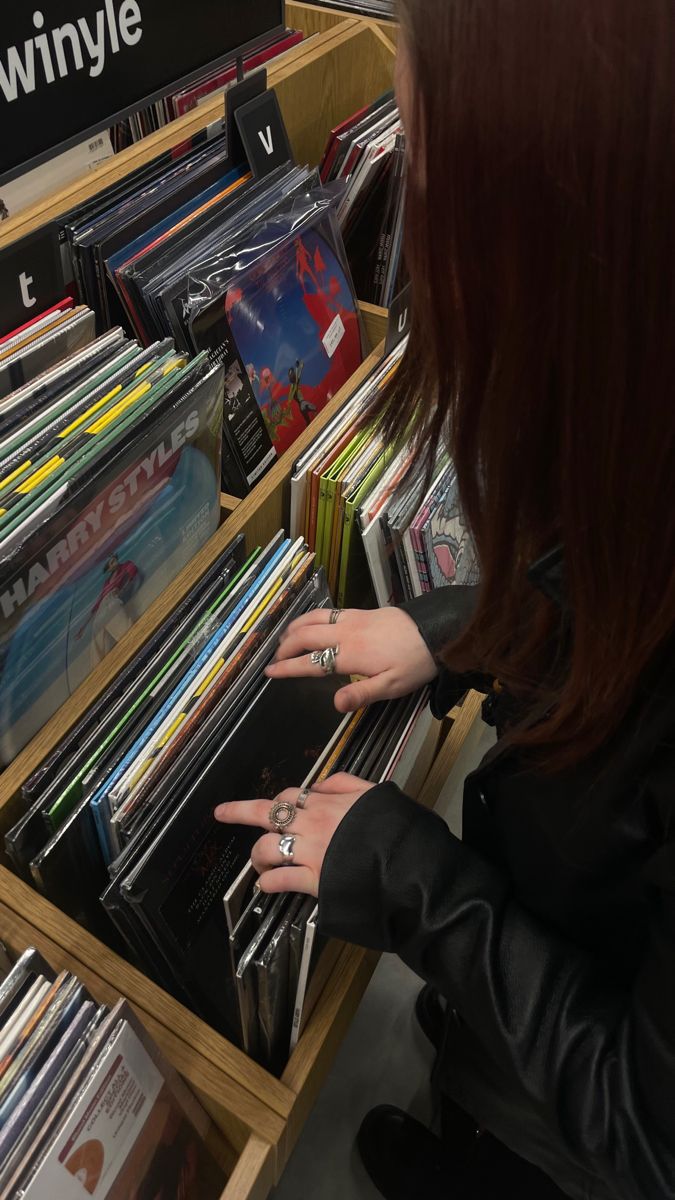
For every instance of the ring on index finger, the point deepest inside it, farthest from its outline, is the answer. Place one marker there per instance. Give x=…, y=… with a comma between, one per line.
x=282, y=814
x=325, y=659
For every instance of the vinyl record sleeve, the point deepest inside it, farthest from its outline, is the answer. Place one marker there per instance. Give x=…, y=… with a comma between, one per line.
x=72, y=750
x=186, y=767
x=274, y=1014
x=247, y=978
x=135, y=521
x=133, y=1127
x=24, y=365
x=19, y=410
x=40, y=1103
x=179, y=889
x=101, y=802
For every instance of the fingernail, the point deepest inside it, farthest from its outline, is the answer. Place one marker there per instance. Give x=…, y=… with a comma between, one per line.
x=256, y=889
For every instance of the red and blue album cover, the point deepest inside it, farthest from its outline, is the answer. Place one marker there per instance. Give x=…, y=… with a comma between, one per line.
x=296, y=325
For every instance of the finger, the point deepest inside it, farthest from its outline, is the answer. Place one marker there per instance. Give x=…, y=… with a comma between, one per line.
x=253, y=812
x=295, y=668
x=310, y=637
x=289, y=879
x=266, y=853
x=317, y=616
x=341, y=784
x=364, y=692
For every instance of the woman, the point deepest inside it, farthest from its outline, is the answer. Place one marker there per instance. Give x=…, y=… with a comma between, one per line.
x=541, y=244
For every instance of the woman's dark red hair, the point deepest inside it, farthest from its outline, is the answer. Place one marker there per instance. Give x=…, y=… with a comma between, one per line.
x=541, y=243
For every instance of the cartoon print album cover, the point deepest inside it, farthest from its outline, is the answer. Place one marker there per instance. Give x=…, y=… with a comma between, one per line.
x=450, y=548
x=296, y=326
x=85, y=577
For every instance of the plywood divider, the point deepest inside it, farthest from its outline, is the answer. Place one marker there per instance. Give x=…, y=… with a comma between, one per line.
x=448, y=754
x=314, y=17
x=375, y=320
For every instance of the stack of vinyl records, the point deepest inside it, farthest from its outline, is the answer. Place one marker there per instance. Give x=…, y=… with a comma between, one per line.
x=364, y=510
x=119, y=827
x=367, y=151
x=208, y=85
x=252, y=271
x=109, y=484
x=42, y=342
x=366, y=8
x=87, y=1102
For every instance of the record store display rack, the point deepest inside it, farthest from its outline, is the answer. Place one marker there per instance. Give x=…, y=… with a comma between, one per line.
x=345, y=64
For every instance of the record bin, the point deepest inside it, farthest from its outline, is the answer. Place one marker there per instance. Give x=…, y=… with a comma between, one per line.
x=226, y=1081
x=245, y=1131
x=345, y=63
x=337, y=70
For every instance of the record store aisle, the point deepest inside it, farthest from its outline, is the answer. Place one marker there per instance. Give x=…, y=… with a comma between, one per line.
x=385, y=1058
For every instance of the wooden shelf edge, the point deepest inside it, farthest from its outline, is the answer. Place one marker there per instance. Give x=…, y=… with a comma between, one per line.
x=449, y=752
x=254, y=1175
x=376, y=320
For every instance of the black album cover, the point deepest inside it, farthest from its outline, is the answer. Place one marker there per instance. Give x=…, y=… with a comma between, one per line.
x=179, y=889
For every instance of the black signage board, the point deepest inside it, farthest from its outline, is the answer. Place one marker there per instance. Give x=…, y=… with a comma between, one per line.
x=31, y=278
x=400, y=318
x=236, y=96
x=69, y=68
x=263, y=134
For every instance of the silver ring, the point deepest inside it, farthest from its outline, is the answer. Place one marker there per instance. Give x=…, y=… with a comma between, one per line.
x=325, y=659
x=282, y=814
x=334, y=616
x=286, y=846
x=302, y=799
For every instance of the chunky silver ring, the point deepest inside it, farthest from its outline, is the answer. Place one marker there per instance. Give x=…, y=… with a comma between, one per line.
x=302, y=799
x=282, y=814
x=325, y=659
x=334, y=616
x=286, y=846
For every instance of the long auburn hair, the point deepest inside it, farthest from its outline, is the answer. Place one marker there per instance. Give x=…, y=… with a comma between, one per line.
x=541, y=245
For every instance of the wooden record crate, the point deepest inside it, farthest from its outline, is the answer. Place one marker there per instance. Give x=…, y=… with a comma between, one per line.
x=346, y=63
x=243, y=1140
x=259, y=1116
x=342, y=67
x=317, y=18
x=344, y=971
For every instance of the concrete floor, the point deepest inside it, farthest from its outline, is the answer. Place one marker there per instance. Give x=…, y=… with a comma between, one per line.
x=384, y=1059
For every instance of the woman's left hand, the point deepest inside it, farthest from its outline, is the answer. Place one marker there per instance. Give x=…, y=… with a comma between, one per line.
x=313, y=827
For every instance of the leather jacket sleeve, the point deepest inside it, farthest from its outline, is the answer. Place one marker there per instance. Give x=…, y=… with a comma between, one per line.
x=441, y=615
x=596, y=1062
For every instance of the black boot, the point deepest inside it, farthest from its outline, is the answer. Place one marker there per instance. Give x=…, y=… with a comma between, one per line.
x=403, y=1158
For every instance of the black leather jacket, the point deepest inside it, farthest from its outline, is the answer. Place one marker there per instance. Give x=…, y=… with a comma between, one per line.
x=551, y=931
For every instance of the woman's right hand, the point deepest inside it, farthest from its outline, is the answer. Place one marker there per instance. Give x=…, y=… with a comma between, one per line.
x=383, y=645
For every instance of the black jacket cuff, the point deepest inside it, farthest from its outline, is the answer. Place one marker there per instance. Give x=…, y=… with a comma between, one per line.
x=366, y=863
x=442, y=616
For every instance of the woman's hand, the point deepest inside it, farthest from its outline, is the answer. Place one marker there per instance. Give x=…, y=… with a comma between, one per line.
x=313, y=828
x=384, y=645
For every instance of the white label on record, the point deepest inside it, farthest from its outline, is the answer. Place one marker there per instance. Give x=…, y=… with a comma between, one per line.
x=333, y=336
